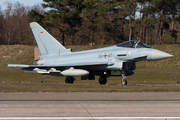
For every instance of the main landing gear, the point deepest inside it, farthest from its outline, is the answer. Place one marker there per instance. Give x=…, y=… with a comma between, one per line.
x=69, y=80
x=124, y=82
x=102, y=80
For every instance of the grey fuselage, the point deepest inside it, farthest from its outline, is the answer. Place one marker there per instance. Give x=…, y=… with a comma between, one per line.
x=116, y=60
x=119, y=58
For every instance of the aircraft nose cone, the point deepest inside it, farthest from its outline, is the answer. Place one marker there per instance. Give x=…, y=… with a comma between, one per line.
x=158, y=55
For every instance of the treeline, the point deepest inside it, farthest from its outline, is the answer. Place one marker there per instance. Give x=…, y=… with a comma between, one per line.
x=80, y=22
x=14, y=24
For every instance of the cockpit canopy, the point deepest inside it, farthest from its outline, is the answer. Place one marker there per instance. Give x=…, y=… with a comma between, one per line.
x=133, y=44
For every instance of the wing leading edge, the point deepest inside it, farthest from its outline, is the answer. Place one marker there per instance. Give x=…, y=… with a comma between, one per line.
x=61, y=65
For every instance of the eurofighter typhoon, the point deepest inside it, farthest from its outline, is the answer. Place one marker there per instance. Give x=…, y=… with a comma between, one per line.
x=117, y=60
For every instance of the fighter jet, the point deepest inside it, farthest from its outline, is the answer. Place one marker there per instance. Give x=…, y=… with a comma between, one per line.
x=117, y=60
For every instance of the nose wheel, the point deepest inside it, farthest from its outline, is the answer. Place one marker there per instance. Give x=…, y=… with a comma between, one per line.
x=124, y=82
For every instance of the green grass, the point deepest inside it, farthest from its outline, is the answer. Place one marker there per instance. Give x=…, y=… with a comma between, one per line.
x=144, y=80
x=16, y=54
x=153, y=76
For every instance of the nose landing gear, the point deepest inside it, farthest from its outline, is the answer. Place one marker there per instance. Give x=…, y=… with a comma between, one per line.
x=124, y=82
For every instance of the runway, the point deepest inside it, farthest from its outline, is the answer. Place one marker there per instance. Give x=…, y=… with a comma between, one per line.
x=84, y=105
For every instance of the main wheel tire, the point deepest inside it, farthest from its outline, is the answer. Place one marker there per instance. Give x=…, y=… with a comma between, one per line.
x=102, y=80
x=124, y=82
x=69, y=80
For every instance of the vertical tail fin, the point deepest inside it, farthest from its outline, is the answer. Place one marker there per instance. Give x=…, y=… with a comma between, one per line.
x=47, y=44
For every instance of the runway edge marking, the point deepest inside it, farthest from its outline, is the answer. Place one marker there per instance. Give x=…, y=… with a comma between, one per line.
x=81, y=118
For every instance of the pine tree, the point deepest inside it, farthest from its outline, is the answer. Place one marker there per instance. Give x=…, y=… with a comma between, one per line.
x=64, y=14
x=162, y=8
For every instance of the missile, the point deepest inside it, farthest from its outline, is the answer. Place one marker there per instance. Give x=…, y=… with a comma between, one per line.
x=74, y=72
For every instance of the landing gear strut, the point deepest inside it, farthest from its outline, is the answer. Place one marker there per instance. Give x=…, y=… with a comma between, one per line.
x=102, y=80
x=69, y=80
x=124, y=82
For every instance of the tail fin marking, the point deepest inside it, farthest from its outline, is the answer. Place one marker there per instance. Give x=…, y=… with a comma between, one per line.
x=47, y=44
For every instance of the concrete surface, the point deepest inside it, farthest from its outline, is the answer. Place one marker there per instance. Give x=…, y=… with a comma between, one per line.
x=92, y=96
x=91, y=105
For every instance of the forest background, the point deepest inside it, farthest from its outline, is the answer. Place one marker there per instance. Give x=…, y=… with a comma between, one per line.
x=103, y=22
